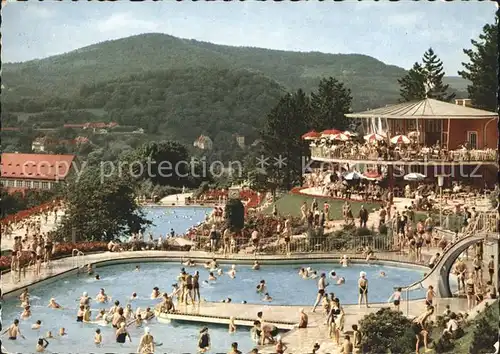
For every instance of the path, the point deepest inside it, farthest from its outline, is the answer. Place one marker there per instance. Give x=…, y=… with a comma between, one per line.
x=175, y=199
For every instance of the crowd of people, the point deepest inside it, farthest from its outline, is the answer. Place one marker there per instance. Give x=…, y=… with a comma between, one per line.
x=379, y=149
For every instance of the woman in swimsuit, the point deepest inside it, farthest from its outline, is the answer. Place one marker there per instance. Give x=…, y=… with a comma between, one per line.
x=204, y=341
x=122, y=334
x=363, y=289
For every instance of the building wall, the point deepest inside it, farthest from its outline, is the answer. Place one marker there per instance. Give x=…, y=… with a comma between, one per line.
x=460, y=127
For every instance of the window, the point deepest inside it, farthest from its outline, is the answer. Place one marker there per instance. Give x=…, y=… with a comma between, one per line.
x=11, y=183
x=27, y=184
x=472, y=139
x=411, y=125
x=36, y=184
x=433, y=125
x=45, y=185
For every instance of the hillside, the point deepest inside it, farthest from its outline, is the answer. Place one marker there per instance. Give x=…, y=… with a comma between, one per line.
x=372, y=82
x=176, y=104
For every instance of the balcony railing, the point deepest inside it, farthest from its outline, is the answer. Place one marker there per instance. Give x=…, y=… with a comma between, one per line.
x=423, y=155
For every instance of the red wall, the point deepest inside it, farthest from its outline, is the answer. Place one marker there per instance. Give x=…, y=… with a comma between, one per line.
x=460, y=127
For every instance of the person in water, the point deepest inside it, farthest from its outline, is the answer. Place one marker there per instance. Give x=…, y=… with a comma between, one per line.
x=146, y=343
x=102, y=297
x=363, y=289
x=340, y=281
x=85, y=299
x=53, y=304
x=204, y=341
x=156, y=293
x=14, y=331
x=261, y=287
x=232, y=325
x=256, y=265
x=97, y=337
x=26, y=313
x=37, y=325
x=267, y=297
x=122, y=334
x=62, y=332
x=41, y=345
x=79, y=315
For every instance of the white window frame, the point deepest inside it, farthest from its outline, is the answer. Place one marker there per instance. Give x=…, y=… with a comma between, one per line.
x=45, y=185
x=469, y=134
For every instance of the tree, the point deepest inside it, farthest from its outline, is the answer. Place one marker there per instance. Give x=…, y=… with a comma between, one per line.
x=330, y=104
x=235, y=215
x=412, y=86
x=283, y=148
x=430, y=73
x=485, y=332
x=387, y=331
x=434, y=73
x=482, y=68
x=100, y=208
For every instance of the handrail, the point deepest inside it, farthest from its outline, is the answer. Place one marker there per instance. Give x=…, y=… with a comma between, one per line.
x=76, y=256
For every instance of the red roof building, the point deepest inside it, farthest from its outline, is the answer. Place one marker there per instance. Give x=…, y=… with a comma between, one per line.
x=34, y=171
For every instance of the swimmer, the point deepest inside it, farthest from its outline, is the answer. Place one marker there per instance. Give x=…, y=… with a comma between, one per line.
x=128, y=313
x=189, y=263
x=382, y=274
x=85, y=299
x=114, y=308
x=62, y=332
x=102, y=297
x=79, y=315
x=122, y=334
x=53, y=304
x=333, y=274
x=220, y=272
x=232, y=326
x=211, y=276
x=49, y=335
x=340, y=281
x=24, y=297
x=256, y=265
x=156, y=293
x=267, y=297
x=97, y=277
x=26, y=313
x=213, y=264
x=98, y=337
x=261, y=288
x=14, y=330
x=101, y=315
x=86, y=314
x=41, y=345
x=137, y=268
x=344, y=261
x=314, y=275
x=90, y=271
x=134, y=296
x=232, y=272
x=36, y=325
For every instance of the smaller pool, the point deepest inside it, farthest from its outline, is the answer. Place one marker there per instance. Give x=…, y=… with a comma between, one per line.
x=180, y=219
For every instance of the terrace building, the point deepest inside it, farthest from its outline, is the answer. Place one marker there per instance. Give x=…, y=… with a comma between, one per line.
x=441, y=138
x=34, y=171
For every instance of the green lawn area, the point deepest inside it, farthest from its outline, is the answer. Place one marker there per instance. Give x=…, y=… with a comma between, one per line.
x=290, y=204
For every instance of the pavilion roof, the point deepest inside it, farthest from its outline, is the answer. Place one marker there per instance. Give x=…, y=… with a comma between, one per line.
x=425, y=109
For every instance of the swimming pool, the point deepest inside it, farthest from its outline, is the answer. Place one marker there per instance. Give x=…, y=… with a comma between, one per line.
x=178, y=218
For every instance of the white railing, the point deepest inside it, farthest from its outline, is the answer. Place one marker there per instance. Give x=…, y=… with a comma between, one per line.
x=76, y=256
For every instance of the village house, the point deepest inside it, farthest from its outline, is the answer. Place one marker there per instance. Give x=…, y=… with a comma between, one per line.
x=203, y=142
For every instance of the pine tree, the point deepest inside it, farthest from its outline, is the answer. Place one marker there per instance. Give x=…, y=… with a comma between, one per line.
x=482, y=68
x=330, y=104
x=412, y=84
x=434, y=73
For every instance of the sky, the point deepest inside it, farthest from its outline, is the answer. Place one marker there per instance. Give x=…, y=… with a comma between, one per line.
x=395, y=33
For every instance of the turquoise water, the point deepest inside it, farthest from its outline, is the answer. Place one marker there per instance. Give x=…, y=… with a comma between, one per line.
x=120, y=281
x=178, y=218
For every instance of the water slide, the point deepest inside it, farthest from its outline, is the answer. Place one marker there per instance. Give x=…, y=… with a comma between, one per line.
x=440, y=273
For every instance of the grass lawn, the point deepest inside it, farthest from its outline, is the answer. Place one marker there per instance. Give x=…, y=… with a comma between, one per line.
x=290, y=204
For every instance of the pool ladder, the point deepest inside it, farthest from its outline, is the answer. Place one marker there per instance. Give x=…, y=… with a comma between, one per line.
x=76, y=256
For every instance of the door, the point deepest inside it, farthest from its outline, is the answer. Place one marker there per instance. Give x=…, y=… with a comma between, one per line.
x=472, y=139
x=433, y=129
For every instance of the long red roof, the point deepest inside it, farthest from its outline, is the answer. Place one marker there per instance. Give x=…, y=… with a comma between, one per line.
x=36, y=166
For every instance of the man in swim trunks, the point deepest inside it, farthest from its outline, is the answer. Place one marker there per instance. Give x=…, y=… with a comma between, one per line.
x=14, y=330
x=321, y=290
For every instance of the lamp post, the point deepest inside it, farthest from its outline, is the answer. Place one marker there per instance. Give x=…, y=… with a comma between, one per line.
x=440, y=180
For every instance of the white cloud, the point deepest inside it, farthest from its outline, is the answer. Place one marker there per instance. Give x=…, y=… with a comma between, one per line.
x=39, y=11
x=126, y=20
x=405, y=20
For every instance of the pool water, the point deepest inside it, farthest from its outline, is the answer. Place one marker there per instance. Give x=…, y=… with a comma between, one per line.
x=178, y=218
x=120, y=281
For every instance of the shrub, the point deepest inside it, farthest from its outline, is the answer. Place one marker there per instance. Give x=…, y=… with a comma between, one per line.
x=485, y=331
x=383, y=229
x=387, y=331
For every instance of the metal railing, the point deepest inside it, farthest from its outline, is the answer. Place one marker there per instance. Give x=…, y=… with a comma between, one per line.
x=76, y=255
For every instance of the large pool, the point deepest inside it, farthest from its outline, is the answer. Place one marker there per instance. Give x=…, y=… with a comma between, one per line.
x=120, y=281
x=178, y=218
